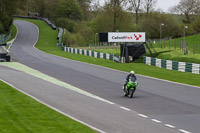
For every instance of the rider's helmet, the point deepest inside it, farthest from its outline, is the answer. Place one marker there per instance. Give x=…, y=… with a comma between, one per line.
x=132, y=73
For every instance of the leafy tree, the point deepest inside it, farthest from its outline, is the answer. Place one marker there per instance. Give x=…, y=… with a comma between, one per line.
x=196, y=25
x=85, y=7
x=37, y=6
x=68, y=9
x=151, y=25
x=104, y=22
x=45, y=8
x=148, y=5
x=114, y=8
x=66, y=23
x=187, y=8
x=7, y=9
x=135, y=6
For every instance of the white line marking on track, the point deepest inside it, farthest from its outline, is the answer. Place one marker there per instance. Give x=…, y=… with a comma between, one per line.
x=168, y=125
x=98, y=130
x=183, y=131
x=125, y=108
x=109, y=102
x=157, y=121
x=144, y=116
x=114, y=69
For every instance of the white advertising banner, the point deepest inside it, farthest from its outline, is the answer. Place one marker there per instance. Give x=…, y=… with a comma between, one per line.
x=126, y=37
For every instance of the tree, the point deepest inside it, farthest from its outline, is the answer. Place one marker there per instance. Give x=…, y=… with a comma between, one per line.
x=7, y=9
x=68, y=9
x=148, y=5
x=45, y=8
x=136, y=8
x=85, y=7
x=196, y=25
x=151, y=25
x=104, y=22
x=188, y=8
x=114, y=7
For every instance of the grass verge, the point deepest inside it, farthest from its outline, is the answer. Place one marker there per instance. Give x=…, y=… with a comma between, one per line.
x=47, y=43
x=13, y=32
x=21, y=114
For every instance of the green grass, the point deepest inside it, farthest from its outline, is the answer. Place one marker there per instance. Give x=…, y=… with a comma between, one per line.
x=189, y=41
x=165, y=53
x=47, y=43
x=172, y=53
x=175, y=55
x=174, y=50
x=13, y=32
x=21, y=114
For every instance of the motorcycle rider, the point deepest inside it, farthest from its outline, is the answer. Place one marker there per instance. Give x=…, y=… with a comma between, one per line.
x=130, y=75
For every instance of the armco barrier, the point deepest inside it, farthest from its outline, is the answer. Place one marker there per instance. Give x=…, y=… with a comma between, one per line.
x=3, y=40
x=92, y=54
x=4, y=54
x=172, y=65
x=59, y=37
x=60, y=30
x=40, y=18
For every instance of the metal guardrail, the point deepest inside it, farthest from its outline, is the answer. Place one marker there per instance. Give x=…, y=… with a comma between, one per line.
x=59, y=37
x=3, y=40
x=60, y=33
x=4, y=56
x=40, y=18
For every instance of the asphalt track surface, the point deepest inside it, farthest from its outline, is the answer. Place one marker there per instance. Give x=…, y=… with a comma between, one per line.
x=157, y=107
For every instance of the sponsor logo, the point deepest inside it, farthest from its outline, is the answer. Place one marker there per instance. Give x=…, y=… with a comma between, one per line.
x=137, y=37
x=126, y=37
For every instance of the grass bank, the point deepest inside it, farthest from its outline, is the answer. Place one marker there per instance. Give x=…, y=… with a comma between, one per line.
x=47, y=43
x=21, y=114
x=13, y=32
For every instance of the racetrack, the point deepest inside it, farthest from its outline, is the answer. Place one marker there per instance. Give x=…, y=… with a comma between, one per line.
x=158, y=106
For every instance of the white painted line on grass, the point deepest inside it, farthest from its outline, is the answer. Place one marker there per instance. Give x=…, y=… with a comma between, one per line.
x=125, y=108
x=94, y=128
x=168, y=125
x=157, y=121
x=144, y=116
x=183, y=131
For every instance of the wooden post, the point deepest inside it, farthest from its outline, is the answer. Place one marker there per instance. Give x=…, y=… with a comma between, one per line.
x=164, y=43
x=182, y=45
x=159, y=45
x=186, y=49
x=174, y=44
x=193, y=49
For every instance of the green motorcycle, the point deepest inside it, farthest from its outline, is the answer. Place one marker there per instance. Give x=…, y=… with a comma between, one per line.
x=130, y=88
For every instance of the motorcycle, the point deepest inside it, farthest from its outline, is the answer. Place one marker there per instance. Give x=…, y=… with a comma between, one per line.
x=130, y=87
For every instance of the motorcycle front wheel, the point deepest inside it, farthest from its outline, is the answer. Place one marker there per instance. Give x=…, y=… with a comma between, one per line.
x=131, y=92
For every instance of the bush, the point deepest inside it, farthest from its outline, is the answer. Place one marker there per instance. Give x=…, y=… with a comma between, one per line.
x=196, y=25
x=1, y=28
x=85, y=32
x=151, y=25
x=66, y=23
x=68, y=9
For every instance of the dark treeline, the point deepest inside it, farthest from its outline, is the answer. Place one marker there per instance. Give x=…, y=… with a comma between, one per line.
x=7, y=9
x=82, y=19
